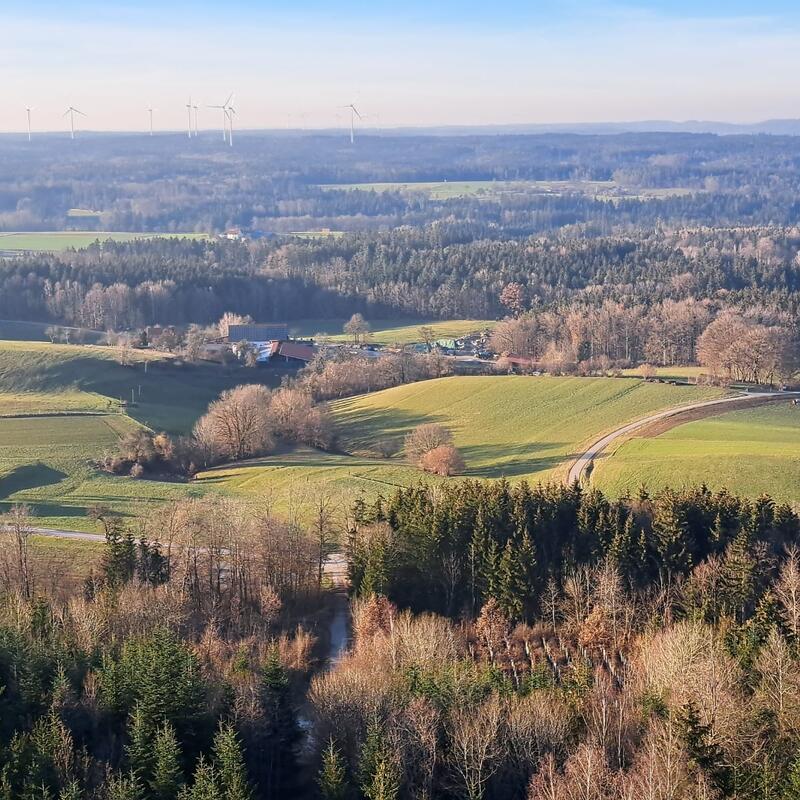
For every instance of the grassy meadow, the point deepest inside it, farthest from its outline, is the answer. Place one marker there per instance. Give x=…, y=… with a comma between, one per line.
x=54, y=241
x=507, y=426
x=61, y=408
x=748, y=451
x=168, y=395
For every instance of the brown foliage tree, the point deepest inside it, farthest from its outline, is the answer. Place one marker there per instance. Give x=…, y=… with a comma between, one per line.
x=444, y=460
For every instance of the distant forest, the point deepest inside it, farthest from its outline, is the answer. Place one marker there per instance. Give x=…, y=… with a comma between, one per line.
x=437, y=271
x=680, y=217
x=272, y=182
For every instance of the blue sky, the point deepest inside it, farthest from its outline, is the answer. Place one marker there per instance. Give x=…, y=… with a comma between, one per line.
x=413, y=63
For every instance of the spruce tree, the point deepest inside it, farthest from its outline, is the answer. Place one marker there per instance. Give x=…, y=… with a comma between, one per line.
x=167, y=776
x=229, y=763
x=791, y=790
x=124, y=787
x=280, y=734
x=72, y=791
x=511, y=584
x=204, y=786
x=385, y=784
x=332, y=781
x=707, y=755
x=139, y=750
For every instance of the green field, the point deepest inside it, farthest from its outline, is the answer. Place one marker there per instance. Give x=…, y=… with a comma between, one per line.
x=289, y=481
x=168, y=395
x=446, y=190
x=506, y=426
x=391, y=331
x=60, y=409
x=512, y=426
x=750, y=451
x=45, y=462
x=22, y=331
x=53, y=241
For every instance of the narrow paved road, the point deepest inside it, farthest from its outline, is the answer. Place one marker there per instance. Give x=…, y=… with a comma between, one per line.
x=79, y=535
x=581, y=466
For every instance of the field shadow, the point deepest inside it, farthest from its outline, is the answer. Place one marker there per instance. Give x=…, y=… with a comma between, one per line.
x=29, y=476
x=512, y=461
x=364, y=429
x=46, y=509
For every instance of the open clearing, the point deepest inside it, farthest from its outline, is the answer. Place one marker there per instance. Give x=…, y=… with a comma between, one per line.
x=53, y=241
x=748, y=451
x=168, y=395
x=506, y=426
x=446, y=190
x=392, y=331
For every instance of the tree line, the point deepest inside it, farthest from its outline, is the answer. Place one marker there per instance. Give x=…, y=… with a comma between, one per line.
x=439, y=271
x=758, y=345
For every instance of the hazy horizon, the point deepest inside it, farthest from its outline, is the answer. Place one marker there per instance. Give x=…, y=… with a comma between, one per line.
x=452, y=64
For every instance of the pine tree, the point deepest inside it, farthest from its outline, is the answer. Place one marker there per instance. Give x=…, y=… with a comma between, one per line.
x=167, y=777
x=332, y=781
x=279, y=735
x=124, y=787
x=229, y=763
x=707, y=755
x=139, y=749
x=204, y=785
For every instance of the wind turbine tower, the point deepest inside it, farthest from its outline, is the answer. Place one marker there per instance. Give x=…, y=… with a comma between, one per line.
x=72, y=111
x=195, y=107
x=189, y=108
x=224, y=108
x=28, y=110
x=230, y=111
x=150, y=111
x=353, y=114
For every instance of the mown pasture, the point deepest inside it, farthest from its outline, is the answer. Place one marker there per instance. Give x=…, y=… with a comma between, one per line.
x=55, y=241
x=750, y=451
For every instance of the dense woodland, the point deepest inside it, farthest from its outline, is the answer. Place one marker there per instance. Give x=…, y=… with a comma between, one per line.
x=509, y=642
x=435, y=272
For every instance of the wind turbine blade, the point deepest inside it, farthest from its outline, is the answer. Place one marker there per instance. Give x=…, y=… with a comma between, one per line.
x=228, y=101
x=356, y=112
x=80, y=112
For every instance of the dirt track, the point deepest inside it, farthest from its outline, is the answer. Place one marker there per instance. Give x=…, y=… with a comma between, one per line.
x=669, y=419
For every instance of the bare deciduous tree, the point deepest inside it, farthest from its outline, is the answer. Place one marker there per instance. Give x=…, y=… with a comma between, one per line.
x=425, y=438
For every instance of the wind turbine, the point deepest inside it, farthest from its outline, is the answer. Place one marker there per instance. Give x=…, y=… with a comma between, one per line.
x=72, y=112
x=150, y=111
x=189, y=108
x=195, y=107
x=28, y=110
x=230, y=111
x=224, y=107
x=353, y=114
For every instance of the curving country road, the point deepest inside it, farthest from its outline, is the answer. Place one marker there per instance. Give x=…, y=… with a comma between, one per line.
x=580, y=467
